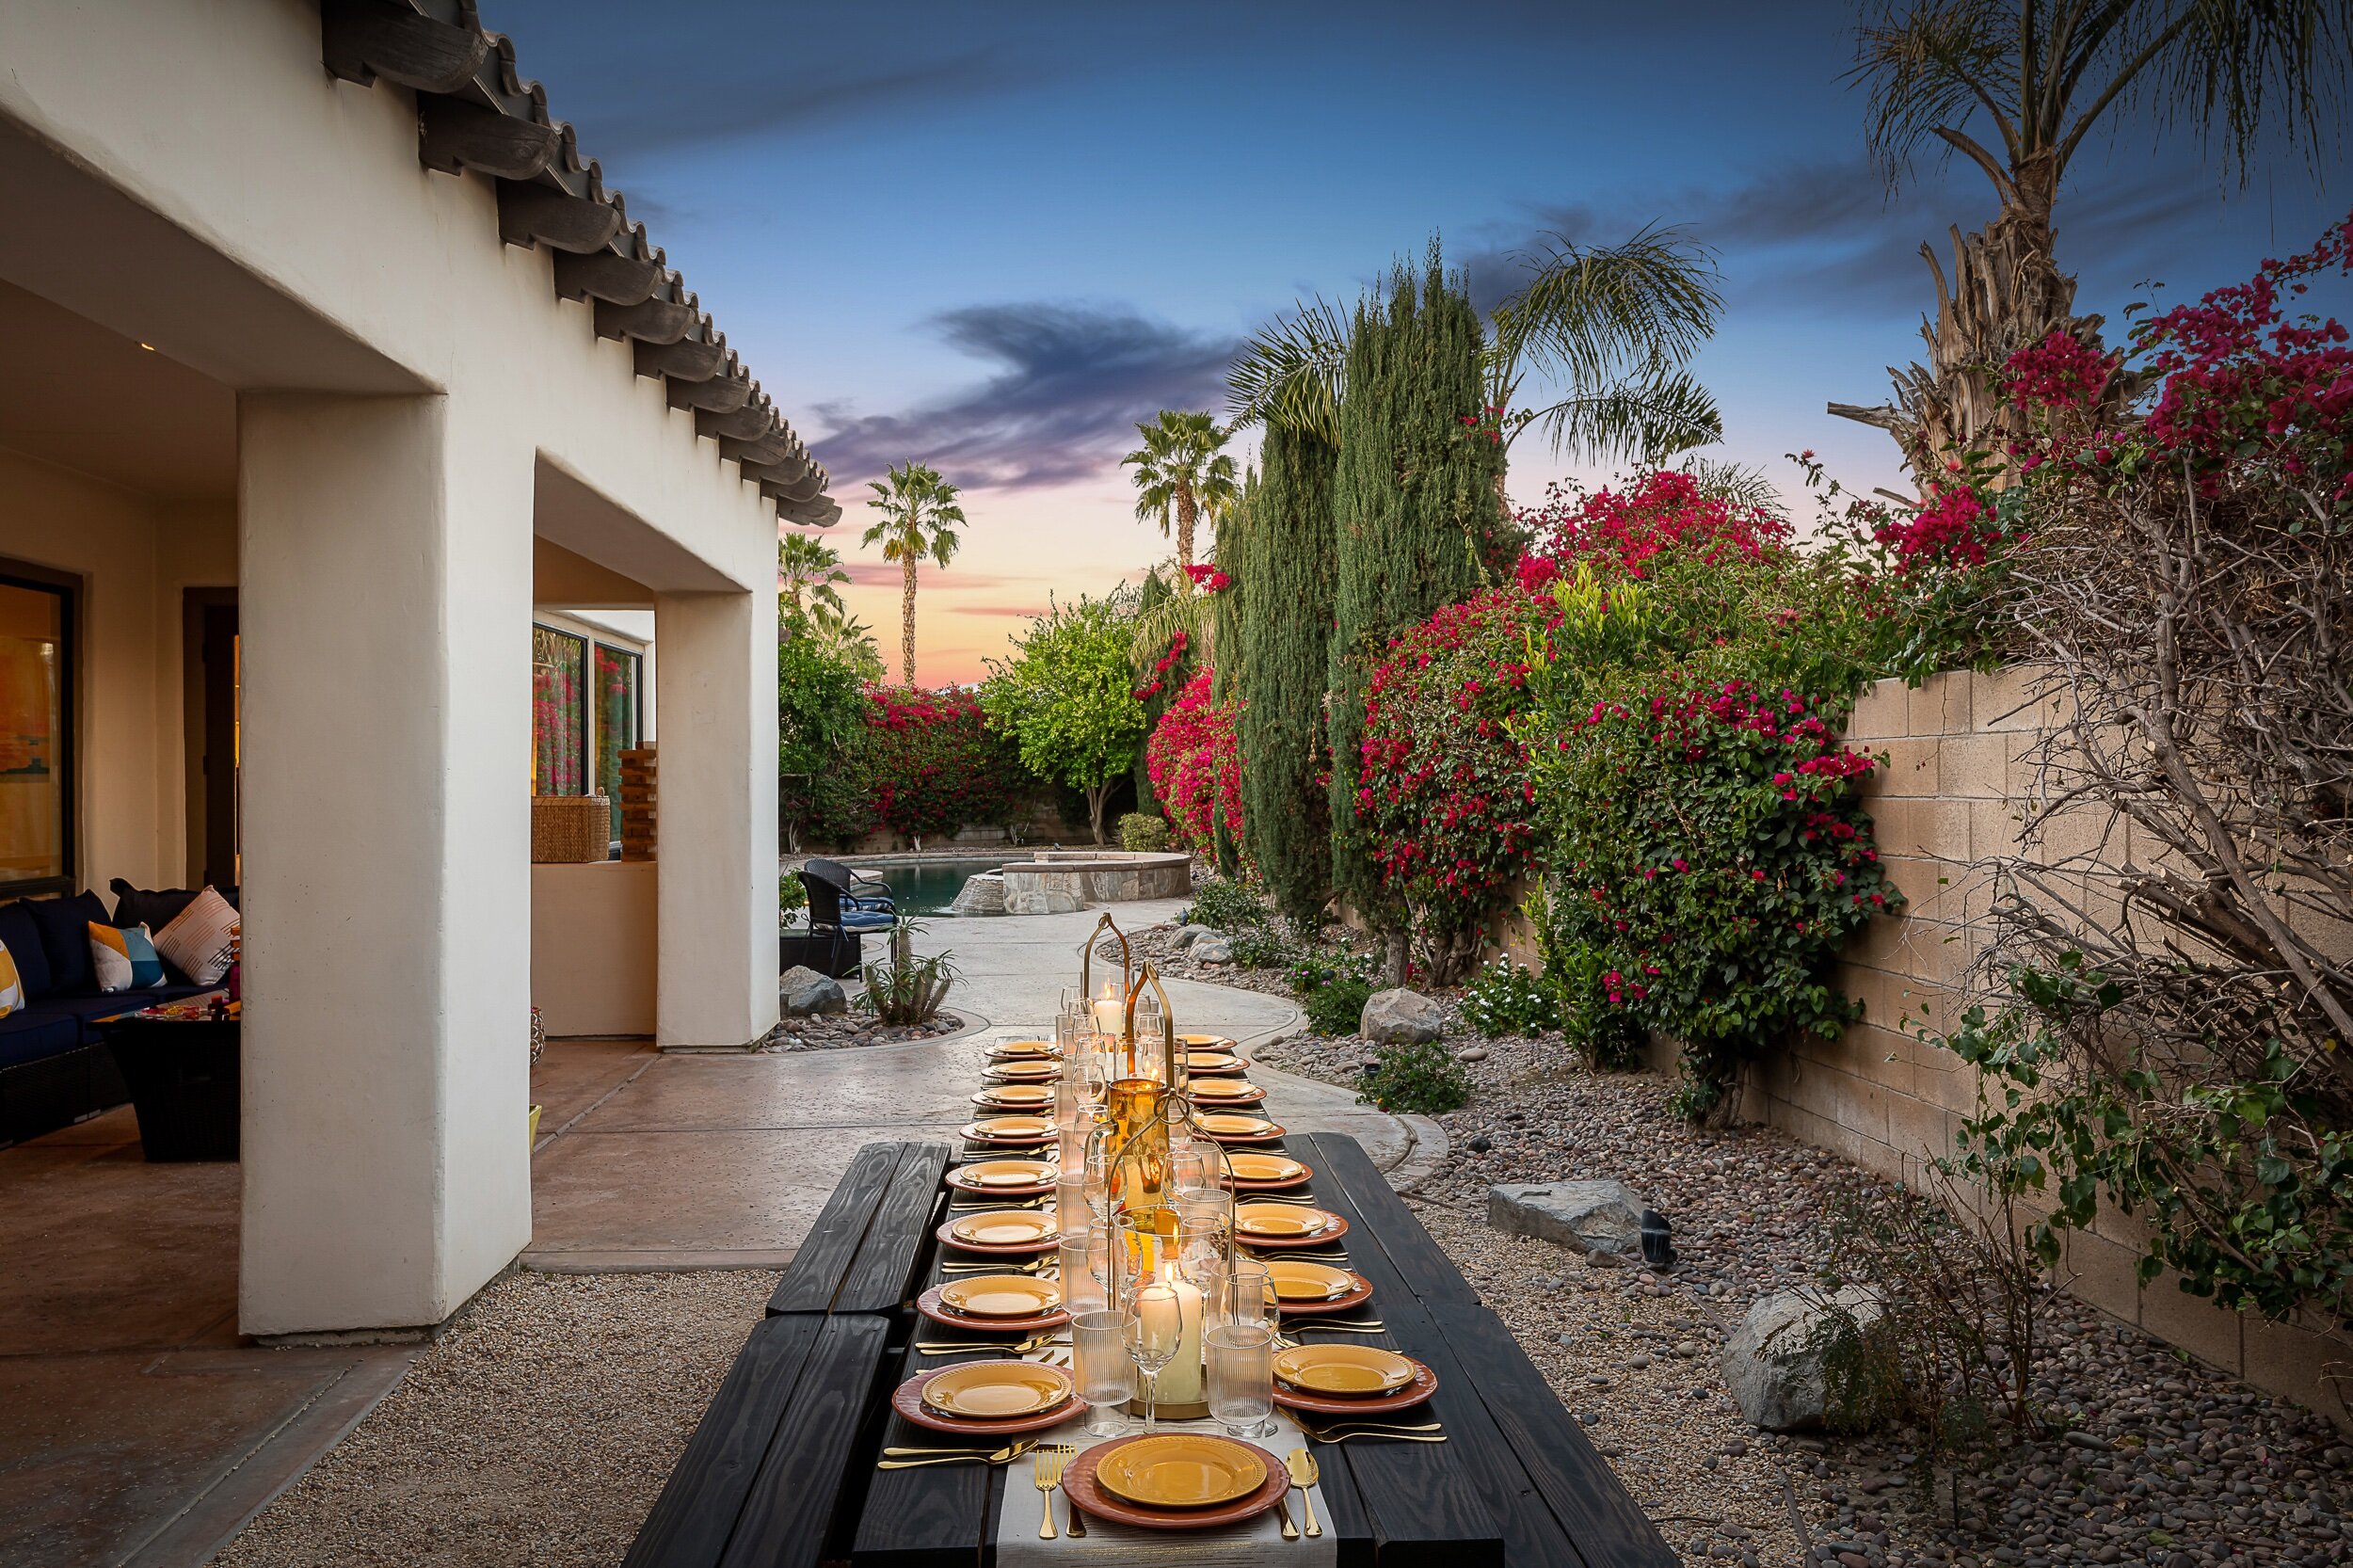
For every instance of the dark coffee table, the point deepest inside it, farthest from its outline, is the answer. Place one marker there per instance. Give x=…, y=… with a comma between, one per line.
x=181, y=1066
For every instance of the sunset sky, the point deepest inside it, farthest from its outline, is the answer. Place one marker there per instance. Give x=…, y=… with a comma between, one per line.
x=994, y=238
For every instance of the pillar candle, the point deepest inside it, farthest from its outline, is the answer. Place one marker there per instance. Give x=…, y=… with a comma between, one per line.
x=1181, y=1383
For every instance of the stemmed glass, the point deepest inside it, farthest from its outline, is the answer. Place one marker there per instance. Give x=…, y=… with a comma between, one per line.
x=1205, y=1224
x=1154, y=1328
x=1193, y=1164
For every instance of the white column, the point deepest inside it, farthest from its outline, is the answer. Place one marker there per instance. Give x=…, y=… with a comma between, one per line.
x=385, y=609
x=715, y=675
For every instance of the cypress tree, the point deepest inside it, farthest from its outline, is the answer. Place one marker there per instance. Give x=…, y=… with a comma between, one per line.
x=1414, y=502
x=1283, y=630
x=1147, y=800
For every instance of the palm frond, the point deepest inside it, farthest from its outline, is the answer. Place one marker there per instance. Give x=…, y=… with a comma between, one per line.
x=1643, y=418
x=1736, y=483
x=1591, y=313
x=1289, y=374
x=1155, y=626
x=1929, y=65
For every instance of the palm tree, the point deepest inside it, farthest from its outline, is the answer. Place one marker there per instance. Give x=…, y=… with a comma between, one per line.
x=846, y=639
x=919, y=516
x=1182, y=473
x=2043, y=74
x=807, y=570
x=1607, y=328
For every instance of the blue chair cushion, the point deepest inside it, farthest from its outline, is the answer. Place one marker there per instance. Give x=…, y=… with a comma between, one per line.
x=867, y=919
x=84, y=1010
x=31, y=1036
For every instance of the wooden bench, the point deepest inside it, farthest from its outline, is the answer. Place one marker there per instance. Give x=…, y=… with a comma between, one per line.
x=862, y=1253
x=764, y=1475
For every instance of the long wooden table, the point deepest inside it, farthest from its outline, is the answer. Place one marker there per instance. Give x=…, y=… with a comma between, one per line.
x=782, y=1469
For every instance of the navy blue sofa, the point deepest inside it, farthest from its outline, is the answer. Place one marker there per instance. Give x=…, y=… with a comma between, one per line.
x=55, y=1067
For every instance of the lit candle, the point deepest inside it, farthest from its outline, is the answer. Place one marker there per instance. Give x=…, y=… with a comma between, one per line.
x=1110, y=1010
x=1181, y=1383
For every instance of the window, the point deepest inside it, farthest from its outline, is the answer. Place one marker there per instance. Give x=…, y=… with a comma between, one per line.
x=559, y=718
x=616, y=715
x=36, y=661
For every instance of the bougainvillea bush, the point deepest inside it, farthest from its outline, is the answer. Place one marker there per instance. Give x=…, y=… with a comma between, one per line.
x=1709, y=857
x=1443, y=788
x=2182, y=590
x=1195, y=765
x=931, y=766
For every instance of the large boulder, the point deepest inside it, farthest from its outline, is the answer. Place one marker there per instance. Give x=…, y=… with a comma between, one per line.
x=804, y=993
x=1212, y=948
x=1401, y=1018
x=1590, y=1216
x=1775, y=1363
x=1188, y=934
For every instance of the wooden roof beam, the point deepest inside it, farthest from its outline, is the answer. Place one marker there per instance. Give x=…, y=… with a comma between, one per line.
x=362, y=39
x=454, y=135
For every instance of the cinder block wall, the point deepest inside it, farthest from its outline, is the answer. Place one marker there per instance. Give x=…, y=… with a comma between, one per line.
x=1879, y=1096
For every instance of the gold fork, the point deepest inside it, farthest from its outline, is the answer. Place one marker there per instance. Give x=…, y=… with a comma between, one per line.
x=1002, y=1456
x=1078, y=1520
x=1046, y=1469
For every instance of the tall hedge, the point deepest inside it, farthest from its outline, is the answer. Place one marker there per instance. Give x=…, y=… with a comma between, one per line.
x=1414, y=511
x=1283, y=639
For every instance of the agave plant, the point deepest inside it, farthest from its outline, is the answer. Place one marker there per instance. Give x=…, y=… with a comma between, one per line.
x=905, y=989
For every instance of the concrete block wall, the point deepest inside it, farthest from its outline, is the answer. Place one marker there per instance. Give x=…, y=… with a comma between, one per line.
x=1957, y=754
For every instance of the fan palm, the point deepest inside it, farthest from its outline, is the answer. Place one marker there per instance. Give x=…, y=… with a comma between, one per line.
x=921, y=513
x=1182, y=474
x=1609, y=326
x=2042, y=74
x=846, y=639
x=807, y=570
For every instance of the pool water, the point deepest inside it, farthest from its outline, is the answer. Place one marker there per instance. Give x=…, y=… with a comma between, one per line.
x=927, y=887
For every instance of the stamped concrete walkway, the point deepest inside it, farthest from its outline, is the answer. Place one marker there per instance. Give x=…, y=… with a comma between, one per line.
x=723, y=1161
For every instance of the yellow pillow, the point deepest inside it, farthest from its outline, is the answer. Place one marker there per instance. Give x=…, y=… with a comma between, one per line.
x=12, y=988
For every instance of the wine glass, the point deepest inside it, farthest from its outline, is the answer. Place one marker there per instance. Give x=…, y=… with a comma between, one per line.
x=1193, y=1164
x=1154, y=1327
x=1205, y=1224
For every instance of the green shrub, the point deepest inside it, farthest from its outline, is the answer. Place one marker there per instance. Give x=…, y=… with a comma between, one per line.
x=791, y=897
x=1332, y=988
x=1258, y=948
x=1504, y=998
x=1422, y=1077
x=905, y=989
x=1140, y=832
x=1225, y=904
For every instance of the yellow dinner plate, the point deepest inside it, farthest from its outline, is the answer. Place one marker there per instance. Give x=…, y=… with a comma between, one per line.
x=1231, y=1126
x=1278, y=1219
x=1005, y=1172
x=1005, y=1228
x=1309, y=1282
x=1344, y=1369
x=1015, y=1126
x=1015, y=1093
x=1002, y=1296
x=1211, y=1061
x=1204, y=1040
x=1263, y=1167
x=1023, y=1071
x=998, y=1390
x=1220, y=1088
x=1181, y=1471
x=1022, y=1048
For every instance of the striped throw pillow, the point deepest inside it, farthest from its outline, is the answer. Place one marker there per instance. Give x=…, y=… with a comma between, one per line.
x=123, y=957
x=200, y=938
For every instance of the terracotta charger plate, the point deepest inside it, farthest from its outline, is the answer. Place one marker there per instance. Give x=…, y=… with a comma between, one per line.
x=930, y=1306
x=1038, y=1177
x=1015, y=1098
x=1424, y=1383
x=1332, y=1229
x=1047, y=1241
x=907, y=1400
x=1022, y=1072
x=1010, y=1129
x=1269, y=1173
x=1013, y=1049
x=1238, y=1130
x=1092, y=1499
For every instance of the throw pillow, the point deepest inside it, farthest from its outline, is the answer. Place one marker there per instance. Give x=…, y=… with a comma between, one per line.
x=199, y=940
x=21, y=937
x=65, y=924
x=156, y=907
x=123, y=958
x=11, y=989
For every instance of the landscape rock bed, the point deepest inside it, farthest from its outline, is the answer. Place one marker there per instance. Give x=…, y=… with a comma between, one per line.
x=2168, y=1465
x=851, y=1029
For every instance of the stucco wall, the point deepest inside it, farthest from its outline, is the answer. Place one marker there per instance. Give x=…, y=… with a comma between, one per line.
x=134, y=555
x=592, y=947
x=1882, y=1097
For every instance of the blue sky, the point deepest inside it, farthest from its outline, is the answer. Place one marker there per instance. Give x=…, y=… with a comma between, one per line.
x=993, y=238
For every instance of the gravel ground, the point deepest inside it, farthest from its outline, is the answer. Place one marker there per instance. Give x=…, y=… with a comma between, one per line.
x=538, y=1430
x=2169, y=1464
x=847, y=1031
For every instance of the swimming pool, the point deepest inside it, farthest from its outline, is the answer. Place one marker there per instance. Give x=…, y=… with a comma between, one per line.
x=927, y=887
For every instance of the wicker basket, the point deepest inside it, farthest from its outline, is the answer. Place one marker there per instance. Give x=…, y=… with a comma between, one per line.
x=566, y=829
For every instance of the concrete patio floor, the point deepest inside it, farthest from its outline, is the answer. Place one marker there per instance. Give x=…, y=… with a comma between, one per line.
x=138, y=1429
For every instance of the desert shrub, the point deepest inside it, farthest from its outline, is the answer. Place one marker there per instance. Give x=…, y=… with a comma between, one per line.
x=1333, y=990
x=1504, y=998
x=905, y=989
x=1144, y=834
x=1257, y=948
x=1195, y=767
x=1226, y=905
x=1423, y=1079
